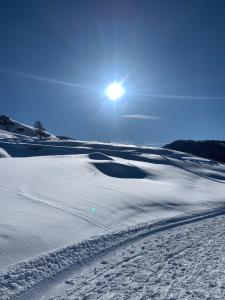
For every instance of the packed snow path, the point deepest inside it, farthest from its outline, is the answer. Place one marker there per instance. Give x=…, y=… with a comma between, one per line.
x=177, y=258
x=186, y=262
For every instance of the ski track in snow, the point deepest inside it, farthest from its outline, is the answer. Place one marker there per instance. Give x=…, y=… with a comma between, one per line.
x=61, y=208
x=180, y=263
x=84, y=189
x=149, y=261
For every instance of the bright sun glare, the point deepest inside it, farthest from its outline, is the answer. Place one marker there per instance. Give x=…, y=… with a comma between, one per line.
x=114, y=91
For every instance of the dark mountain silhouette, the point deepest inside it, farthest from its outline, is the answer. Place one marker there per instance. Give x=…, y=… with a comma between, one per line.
x=211, y=149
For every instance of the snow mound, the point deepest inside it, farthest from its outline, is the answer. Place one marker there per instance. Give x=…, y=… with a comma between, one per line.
x=3, y=153
x=99, y=156
x=119, y=170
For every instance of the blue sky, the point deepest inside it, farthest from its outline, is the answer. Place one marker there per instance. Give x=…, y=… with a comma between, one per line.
x=73, y=49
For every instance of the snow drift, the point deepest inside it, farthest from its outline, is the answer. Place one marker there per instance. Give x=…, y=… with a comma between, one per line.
x=50, y=201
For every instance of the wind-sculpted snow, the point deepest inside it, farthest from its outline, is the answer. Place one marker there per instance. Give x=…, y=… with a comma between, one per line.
x=119, y=170
x=58, y=192
x=21, y=277
x=50, y=201
x=99, y=156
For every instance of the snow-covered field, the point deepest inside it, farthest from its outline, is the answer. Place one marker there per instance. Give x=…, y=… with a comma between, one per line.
x=56, y=193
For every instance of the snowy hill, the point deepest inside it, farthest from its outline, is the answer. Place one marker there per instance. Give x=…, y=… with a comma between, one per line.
x=208, y=149
x=19, y=129
x=88, y=189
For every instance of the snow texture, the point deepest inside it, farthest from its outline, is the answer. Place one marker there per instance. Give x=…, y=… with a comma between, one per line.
x=94, y=196
x=47, y=202
x=180, y=263
x=166, y=242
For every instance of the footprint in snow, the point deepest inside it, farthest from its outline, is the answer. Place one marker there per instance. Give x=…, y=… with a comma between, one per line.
x=70, y=282
x=98, y=283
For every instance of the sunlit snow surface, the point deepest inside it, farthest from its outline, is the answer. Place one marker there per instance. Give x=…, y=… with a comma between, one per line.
x=59, y=192
x=50, y=201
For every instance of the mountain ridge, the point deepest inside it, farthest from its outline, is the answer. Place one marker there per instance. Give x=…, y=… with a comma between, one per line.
x=9, y=125
x=211, y=149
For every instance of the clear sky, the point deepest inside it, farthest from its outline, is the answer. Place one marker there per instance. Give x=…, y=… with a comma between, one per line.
x=57, y=57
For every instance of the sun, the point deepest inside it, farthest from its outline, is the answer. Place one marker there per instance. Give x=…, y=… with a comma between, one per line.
x=114, y=91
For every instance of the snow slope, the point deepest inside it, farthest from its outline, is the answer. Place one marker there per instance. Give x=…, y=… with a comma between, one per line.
x=18, y=128
x=55, y=193
x=49, y=201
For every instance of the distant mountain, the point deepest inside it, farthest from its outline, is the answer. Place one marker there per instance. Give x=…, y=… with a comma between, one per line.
x=211, y=149
x=9, y=125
